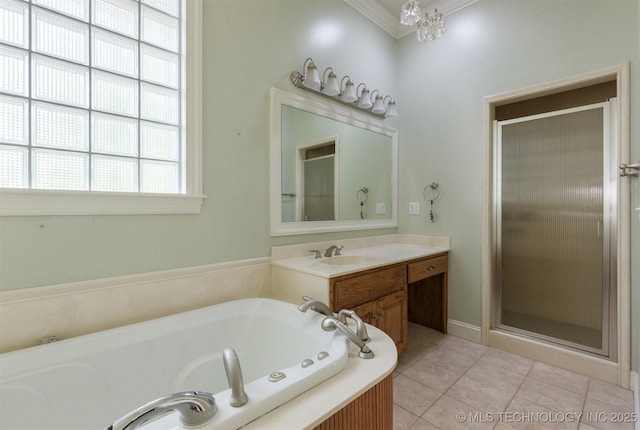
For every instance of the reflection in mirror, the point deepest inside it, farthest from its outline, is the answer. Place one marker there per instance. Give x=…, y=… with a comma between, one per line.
x=331, y=169
x=317, y=195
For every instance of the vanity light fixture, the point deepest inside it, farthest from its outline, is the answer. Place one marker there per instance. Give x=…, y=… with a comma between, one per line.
x=311, y=79
x=428, y=27
x=349, y=95
x=378, y=104
x=364, y=101
x=330, y=86
x=391, y=108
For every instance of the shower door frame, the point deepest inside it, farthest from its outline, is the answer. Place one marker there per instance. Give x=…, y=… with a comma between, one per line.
x=608, y=221
x=619, y=371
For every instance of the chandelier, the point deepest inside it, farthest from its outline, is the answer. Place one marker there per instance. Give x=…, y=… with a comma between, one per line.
x=428, y=27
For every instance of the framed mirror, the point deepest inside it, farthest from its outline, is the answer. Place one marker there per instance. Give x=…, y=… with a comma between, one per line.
x=332, y=168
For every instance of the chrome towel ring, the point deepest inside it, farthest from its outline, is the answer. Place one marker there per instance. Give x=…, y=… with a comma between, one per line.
x=431, y=193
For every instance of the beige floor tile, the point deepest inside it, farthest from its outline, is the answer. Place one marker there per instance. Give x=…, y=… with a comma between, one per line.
x=413, y=354
x=422, y=340
x=509, y=361
x=419, y=332
x=610, y=393
x=450, y=358
x=445, y=382
x=423, y=425
x=402, y=419
x=525, y=415
x=584, y=426
x=450, y=414
x=413, y=396
x=605, y=416
x=481, y=395
x=497, y=375
x=550, y=396
x=432, y=375
x=466, y=347
x=560, y=377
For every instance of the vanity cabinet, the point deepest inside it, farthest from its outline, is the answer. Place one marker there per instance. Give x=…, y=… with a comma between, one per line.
x=427, y=291
x=378, y=297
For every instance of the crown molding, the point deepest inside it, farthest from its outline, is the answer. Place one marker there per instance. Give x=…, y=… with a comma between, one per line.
x=378, y=15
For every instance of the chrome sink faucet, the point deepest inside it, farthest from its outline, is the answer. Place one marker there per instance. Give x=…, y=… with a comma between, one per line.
x=333, y=250
x=234, y=377
x=315, y=305
x=196, y=408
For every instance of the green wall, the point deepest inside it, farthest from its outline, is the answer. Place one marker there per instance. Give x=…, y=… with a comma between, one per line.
x=491, y=47
x=249, y=46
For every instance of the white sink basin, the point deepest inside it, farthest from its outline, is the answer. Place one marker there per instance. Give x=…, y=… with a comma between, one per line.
x=344, y=260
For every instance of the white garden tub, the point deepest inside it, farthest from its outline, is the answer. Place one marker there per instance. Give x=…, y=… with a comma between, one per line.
x=90, y=381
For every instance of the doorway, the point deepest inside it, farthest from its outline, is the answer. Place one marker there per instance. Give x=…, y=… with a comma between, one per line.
x=317, y=180
x=509, y=331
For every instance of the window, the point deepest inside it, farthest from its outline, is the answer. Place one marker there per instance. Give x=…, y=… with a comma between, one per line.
x=93, y=101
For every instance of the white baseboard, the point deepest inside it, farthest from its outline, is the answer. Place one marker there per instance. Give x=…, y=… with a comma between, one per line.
x=464, y=330
x=635, y=387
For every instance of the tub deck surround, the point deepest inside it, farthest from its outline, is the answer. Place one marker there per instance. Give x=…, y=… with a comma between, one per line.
x=83, y=307
x=90, y=381
x=315, y=407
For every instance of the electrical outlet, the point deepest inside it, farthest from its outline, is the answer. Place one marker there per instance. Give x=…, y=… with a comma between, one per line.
x=414, y=208
x=380, y=209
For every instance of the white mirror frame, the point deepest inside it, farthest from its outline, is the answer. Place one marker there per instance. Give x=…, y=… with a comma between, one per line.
x=279, y=98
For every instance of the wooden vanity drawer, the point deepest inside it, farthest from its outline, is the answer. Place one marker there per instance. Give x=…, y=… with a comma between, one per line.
x=364, y=288
x=427, y=268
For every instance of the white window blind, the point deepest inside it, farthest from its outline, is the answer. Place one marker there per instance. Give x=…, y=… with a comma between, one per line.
x=91, y=95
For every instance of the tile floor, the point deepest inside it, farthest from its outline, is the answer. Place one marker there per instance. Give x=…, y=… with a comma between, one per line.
x=445, y=382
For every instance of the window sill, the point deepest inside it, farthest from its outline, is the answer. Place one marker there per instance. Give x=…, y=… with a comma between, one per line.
x=47, y=202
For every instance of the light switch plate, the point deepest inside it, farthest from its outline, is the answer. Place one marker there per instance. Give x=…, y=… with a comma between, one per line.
x=380, y=209
x=414, y=208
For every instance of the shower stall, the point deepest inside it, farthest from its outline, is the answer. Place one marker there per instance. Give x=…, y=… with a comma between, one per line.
x=554, y=228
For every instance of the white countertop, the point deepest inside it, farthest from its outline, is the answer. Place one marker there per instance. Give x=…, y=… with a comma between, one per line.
x=316, y=405
x=381, y=255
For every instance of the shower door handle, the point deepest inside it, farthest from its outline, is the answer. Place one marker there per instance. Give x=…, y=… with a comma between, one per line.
x=632, y=169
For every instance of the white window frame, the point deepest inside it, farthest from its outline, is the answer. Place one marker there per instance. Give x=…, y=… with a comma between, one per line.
x=25, y=202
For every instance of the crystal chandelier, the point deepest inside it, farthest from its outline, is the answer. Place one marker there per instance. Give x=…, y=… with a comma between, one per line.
x=428, y=27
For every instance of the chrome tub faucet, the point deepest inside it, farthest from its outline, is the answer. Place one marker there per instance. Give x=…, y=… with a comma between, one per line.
x=196, y=408
x=315, y=305
x=333, y=250
x=332, y=323
x=234, y=377
x=361, y=329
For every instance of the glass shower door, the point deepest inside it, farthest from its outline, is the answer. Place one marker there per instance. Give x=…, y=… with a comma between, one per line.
x=553, y=227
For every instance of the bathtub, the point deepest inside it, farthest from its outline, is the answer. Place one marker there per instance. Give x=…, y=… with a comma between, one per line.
x=90, y=381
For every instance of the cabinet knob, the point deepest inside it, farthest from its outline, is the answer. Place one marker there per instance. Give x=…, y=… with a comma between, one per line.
x=431, y=267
